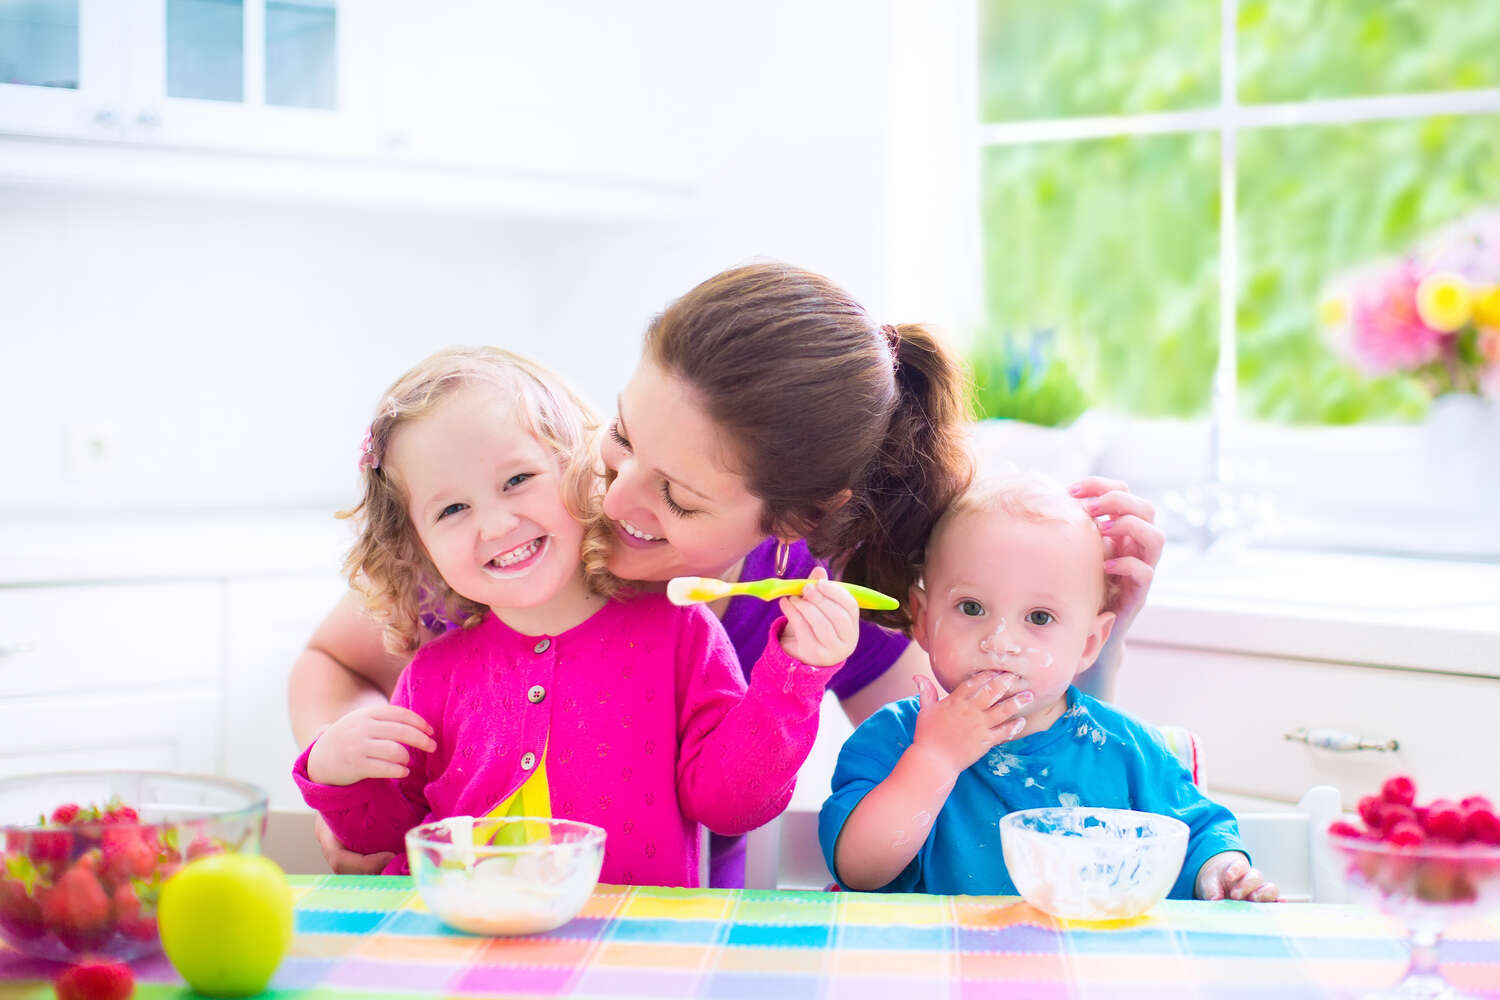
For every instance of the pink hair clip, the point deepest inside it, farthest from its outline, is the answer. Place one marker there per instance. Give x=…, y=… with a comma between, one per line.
x=367, y=459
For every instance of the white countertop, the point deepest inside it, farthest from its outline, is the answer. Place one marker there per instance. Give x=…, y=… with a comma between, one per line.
x=102, y=548
x=1382, y=611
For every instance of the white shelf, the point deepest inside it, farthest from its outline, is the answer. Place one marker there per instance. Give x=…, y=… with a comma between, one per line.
x=366, y=182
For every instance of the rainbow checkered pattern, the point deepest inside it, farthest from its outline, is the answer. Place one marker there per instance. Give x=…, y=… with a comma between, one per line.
x=372, y=937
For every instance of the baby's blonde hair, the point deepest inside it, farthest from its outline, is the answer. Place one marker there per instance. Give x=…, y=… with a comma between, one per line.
x=1027, y=496
x=388, y=563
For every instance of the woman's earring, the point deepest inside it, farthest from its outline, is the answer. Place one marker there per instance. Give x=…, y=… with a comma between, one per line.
x=783, y=551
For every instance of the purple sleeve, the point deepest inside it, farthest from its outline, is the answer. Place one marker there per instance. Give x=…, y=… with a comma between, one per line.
x=748, y=622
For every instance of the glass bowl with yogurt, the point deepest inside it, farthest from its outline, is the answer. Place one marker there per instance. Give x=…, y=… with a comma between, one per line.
x=508, y=876
x=1092, y=864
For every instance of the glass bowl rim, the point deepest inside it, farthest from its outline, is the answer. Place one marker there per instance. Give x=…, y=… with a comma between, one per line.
x=1174, y=827
x=417, y=835
x=1467, y=851
x=259, y=800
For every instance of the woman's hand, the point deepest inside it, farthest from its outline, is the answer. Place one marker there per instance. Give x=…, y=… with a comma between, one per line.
x=344, y=861
x=1132, y=542
x=1228, y=875
x=822, y=624
x=369, y=742
x=958, y=730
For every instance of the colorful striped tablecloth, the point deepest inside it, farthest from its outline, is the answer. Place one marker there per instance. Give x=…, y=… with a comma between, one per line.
x=372, y=937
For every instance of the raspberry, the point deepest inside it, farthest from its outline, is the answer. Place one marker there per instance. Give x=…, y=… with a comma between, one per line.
x=1476, y=802
x=1391, y=814
x=1370, y=808
x=96, y=981
x=1399, y=790
x=1405, y=834
x=65, y=814
x=1445, y=819
x=1343, y=828
x=1481, y=824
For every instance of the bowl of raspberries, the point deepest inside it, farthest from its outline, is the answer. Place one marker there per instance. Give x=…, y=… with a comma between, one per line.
x=87, y=852
x=1410, y=857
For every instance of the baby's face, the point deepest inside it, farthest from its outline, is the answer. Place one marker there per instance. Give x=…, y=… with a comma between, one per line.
x=1008, y=594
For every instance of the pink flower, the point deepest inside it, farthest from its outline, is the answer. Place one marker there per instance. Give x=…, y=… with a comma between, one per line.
x=367, y=458
x=1385, y=331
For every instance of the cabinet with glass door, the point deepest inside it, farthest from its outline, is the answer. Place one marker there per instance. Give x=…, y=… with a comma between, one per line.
x=285, y=76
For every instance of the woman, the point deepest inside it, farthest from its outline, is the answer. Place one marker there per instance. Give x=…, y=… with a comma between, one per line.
x=771, y=423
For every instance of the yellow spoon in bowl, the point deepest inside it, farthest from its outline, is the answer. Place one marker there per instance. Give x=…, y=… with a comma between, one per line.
x=702, y=589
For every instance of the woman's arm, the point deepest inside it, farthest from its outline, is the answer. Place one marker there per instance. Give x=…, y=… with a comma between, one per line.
x=344, y=666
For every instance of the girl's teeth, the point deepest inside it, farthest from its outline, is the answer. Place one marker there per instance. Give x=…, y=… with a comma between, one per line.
x=635, y=532
x=517, y=555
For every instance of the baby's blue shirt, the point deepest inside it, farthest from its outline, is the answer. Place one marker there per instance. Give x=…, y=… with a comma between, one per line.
x=1094, y=755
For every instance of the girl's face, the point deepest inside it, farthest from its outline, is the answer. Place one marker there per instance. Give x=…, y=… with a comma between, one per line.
x=486, y=501
x=1007, y=594
x=676, y=505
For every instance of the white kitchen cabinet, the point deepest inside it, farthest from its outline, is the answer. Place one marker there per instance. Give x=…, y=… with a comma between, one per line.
x=280, y=76
x=1242, y=706
x=269, y=622
x=160, y=729
x=590, y=90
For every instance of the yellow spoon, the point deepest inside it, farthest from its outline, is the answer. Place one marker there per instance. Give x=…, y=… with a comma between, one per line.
x=702, y=589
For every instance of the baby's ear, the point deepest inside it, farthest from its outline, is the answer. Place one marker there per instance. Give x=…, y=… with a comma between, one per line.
x=916, y=603
x=1104, y=621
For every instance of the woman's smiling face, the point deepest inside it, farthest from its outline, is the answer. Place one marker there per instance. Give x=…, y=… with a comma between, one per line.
x=676, y=503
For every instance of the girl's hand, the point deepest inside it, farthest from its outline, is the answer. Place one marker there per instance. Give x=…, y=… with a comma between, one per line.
x=344, y=861
x=368, y=742
x=958, y=730
x=1132, y=542
x=822, y=625
x=1228, y=875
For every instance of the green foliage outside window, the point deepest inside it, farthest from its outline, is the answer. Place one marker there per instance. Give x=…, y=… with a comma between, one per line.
x=1113, y=242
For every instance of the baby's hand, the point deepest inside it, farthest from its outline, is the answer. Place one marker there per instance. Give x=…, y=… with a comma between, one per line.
x=368, y=743
x=1228, y=875
x=822, y=625
x=977, y=715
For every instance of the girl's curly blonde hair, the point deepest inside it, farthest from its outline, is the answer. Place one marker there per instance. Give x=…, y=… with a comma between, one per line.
x=388, y=563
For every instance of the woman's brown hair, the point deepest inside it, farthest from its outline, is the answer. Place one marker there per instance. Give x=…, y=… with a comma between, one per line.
x=852, y=433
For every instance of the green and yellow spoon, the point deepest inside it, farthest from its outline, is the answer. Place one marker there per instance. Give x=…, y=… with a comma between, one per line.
x=702, y=589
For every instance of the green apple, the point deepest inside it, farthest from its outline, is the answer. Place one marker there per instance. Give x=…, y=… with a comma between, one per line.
x=226, y=922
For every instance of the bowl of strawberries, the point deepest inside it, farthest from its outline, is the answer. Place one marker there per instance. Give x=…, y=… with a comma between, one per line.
x=1427, y=864
x=87, y=852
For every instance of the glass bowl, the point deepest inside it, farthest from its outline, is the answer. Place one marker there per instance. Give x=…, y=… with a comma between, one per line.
x=1427, y=887
x=90, y=887
x=1092, y=864
x=505, y=876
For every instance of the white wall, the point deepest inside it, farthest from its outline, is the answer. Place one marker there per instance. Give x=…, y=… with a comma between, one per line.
x=232, y=350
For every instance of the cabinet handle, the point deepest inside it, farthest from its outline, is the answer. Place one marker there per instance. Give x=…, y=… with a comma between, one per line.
x=106, y=117
x=148, y=119
x=17, y=647
x=1340, y=741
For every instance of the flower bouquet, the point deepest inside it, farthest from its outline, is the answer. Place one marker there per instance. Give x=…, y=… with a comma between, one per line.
x=1433, y=313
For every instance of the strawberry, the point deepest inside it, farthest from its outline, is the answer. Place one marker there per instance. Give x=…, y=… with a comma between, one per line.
x=125, y=854
x=96, y=981
x=1370, y=809
x=65, y=814
x=76, y=909
x=142, y=928
x=20, y=915
x=1399, y=791
x=202, y=846
x=120, y=814
x=124, y=902
x=1445, y=819
x=51, y=846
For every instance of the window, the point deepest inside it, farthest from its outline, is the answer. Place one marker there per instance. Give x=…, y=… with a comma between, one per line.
x=1167, y=189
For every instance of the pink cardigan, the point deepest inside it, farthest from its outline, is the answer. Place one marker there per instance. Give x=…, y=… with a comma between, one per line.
x=645, y=719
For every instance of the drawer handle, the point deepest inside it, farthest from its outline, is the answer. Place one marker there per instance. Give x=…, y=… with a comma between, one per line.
x=1340, y=741
x=15, y=648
